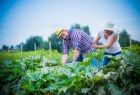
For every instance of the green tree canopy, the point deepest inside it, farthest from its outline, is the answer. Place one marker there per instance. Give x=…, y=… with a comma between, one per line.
x=77, y=26
x=83, y=28
x=56, y=43
x=29, y=45
x=45, y=45
x=124, y=39
x=86, y=29
x=5, y=47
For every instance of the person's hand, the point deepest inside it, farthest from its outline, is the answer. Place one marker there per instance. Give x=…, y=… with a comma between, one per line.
x=73, y=62
x=95, y=46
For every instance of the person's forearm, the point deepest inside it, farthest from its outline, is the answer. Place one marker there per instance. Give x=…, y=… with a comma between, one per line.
x=96, y=39
x=101, y=46
x=64, y=58
x=75, y=55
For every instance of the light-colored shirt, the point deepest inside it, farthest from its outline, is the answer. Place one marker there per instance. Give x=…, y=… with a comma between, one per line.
x=115, y=47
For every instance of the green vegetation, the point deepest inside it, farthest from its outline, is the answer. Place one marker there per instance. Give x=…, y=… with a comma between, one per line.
x=40, y=73
x=124, y=39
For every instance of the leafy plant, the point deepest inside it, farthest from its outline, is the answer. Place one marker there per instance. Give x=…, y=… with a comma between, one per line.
x=41, y=73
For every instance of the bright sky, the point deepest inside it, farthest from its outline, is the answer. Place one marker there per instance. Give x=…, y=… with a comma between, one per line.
x=19, y=19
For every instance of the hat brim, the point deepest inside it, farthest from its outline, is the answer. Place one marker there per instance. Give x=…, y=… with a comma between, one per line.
x=109, y=29
x=60, y=33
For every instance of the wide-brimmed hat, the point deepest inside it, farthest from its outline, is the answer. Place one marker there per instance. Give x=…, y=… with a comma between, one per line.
x=109, y=26
x=58, y=31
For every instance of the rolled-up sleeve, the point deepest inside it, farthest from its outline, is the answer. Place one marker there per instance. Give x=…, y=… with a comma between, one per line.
x=65, y=47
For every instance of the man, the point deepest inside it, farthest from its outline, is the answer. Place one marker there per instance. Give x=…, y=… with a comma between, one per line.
x=76, y=39
x=109, y=39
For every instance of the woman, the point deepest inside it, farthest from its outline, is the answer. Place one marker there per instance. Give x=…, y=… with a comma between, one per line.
x=110, y=43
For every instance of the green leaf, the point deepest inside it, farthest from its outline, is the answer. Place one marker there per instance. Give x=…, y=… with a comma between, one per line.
x=34, y=76
x=114, y=89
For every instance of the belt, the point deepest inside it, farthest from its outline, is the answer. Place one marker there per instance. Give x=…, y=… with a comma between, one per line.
x=113, y=54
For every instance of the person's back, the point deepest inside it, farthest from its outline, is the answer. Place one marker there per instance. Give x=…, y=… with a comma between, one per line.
x=79, y=39
x=76, y=39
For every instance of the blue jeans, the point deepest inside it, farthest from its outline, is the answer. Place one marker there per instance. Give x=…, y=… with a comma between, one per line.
x=80, y=58
x=106, y=60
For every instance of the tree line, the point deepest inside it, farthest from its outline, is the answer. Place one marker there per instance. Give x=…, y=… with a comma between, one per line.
x=37, y=42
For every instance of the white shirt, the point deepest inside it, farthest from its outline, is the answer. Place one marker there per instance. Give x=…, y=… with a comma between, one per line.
x=115, y=47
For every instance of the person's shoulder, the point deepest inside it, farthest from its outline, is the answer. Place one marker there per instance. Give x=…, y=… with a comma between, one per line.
x=100, y=33
x=115, y=33
x=74, y=31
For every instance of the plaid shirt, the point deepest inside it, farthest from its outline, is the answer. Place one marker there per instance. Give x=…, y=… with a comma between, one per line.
x=77, y=40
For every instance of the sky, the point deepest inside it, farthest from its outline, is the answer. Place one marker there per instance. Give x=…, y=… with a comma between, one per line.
x=20, y=19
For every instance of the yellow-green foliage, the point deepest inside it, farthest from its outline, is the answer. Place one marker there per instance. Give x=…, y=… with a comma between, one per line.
x=18, y=55
x=40, y=72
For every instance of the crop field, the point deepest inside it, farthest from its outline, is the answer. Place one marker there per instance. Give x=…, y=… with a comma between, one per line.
x=41, y=73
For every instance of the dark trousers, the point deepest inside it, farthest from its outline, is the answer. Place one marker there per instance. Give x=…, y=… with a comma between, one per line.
x=80, y=58
x=106, y=60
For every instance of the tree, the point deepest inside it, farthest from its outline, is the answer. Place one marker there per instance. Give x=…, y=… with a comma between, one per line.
x=83, y=28
x=86, y=29
x=45, y=45
x=77, y=26
x=20, y=46
x=5, y=47
x=56, y=43
x=29, y=45
x=124, y=39
x=11, y=47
